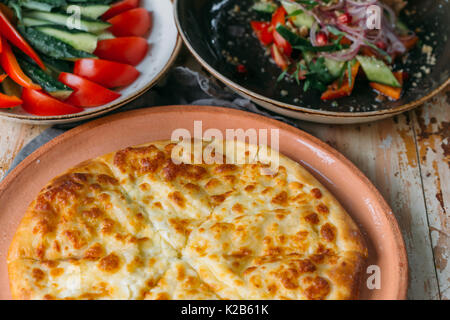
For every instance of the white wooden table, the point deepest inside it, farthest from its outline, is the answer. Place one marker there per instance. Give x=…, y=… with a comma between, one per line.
x=406, y=157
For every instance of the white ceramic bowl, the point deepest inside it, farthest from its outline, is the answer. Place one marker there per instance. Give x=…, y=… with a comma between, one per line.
x=164, y=47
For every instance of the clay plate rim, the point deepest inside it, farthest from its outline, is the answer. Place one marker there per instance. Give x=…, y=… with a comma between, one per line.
x=402, y=276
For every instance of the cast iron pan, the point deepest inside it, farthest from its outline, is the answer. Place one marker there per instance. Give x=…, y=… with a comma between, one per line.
x=213, y=32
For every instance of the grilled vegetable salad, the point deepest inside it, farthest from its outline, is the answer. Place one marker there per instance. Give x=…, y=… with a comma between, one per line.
x=61, y=56
x=323, y=44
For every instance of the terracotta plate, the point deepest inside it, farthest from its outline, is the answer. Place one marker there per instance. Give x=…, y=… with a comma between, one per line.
x=342, y=178
x=164, y=47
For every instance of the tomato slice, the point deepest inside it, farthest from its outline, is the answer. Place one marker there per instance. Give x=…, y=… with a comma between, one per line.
x=107, y=73
x=120, y=7
x=135, y=22
x=86, y=93
x=9, y=101
x=262, y=31
x=40, y=104
x=9, y=63
x=279, y=17
x=129, y=50
x=12, y=35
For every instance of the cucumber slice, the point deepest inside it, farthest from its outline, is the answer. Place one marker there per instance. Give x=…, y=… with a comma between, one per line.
x=377, y=71
x=92, y=11
x=46, y=81
x=80, y=40
x=265, y=7
x=300, y=19
x=334, y=67
x=31, y=22
x=90, y=1
x=37, y=5
x=85, y=24
x=105, y=35
x=56, y=66
x=51, y=46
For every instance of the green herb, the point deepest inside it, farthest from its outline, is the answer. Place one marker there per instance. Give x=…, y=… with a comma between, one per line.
x=349, y=73
x=295, y=13
x=296, y=74
x=336, y=31
x=380, y=51
x=327, y=48
x=309, y=4
x=339, y=35
x=302, y=44
x=282, y=75
x=306, y=85
x=318, y=76
x=341, y=76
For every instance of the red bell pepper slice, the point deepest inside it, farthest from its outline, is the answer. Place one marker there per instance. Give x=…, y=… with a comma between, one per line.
x=120, y=7
x=40, y=104
x=8, y=31
x=282, y=44
x=392, y=92
x=279, y=58
x=262, y=31
x=279, y=17
x=106, y=73
x=86, y=93
x=409, y=42
x=129, y=50
x=345, y=89
x=9, y=101
x=9, y=63
x=135, y=22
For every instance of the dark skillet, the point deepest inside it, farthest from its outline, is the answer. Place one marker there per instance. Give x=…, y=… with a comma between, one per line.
x=212, y=34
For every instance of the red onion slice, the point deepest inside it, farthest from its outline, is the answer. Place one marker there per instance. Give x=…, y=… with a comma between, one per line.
x=347, y=54
x=312, y=34
x=361, y=3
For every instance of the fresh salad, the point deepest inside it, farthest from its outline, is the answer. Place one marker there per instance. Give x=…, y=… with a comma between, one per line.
x=61, y=56
x=323, y=44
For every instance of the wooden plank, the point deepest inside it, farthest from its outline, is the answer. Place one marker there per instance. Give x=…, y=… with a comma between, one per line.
x=432, y=128
x=14, y=136
x=386, y=152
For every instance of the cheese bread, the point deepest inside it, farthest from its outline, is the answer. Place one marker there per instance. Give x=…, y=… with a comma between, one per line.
x=168, y=221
